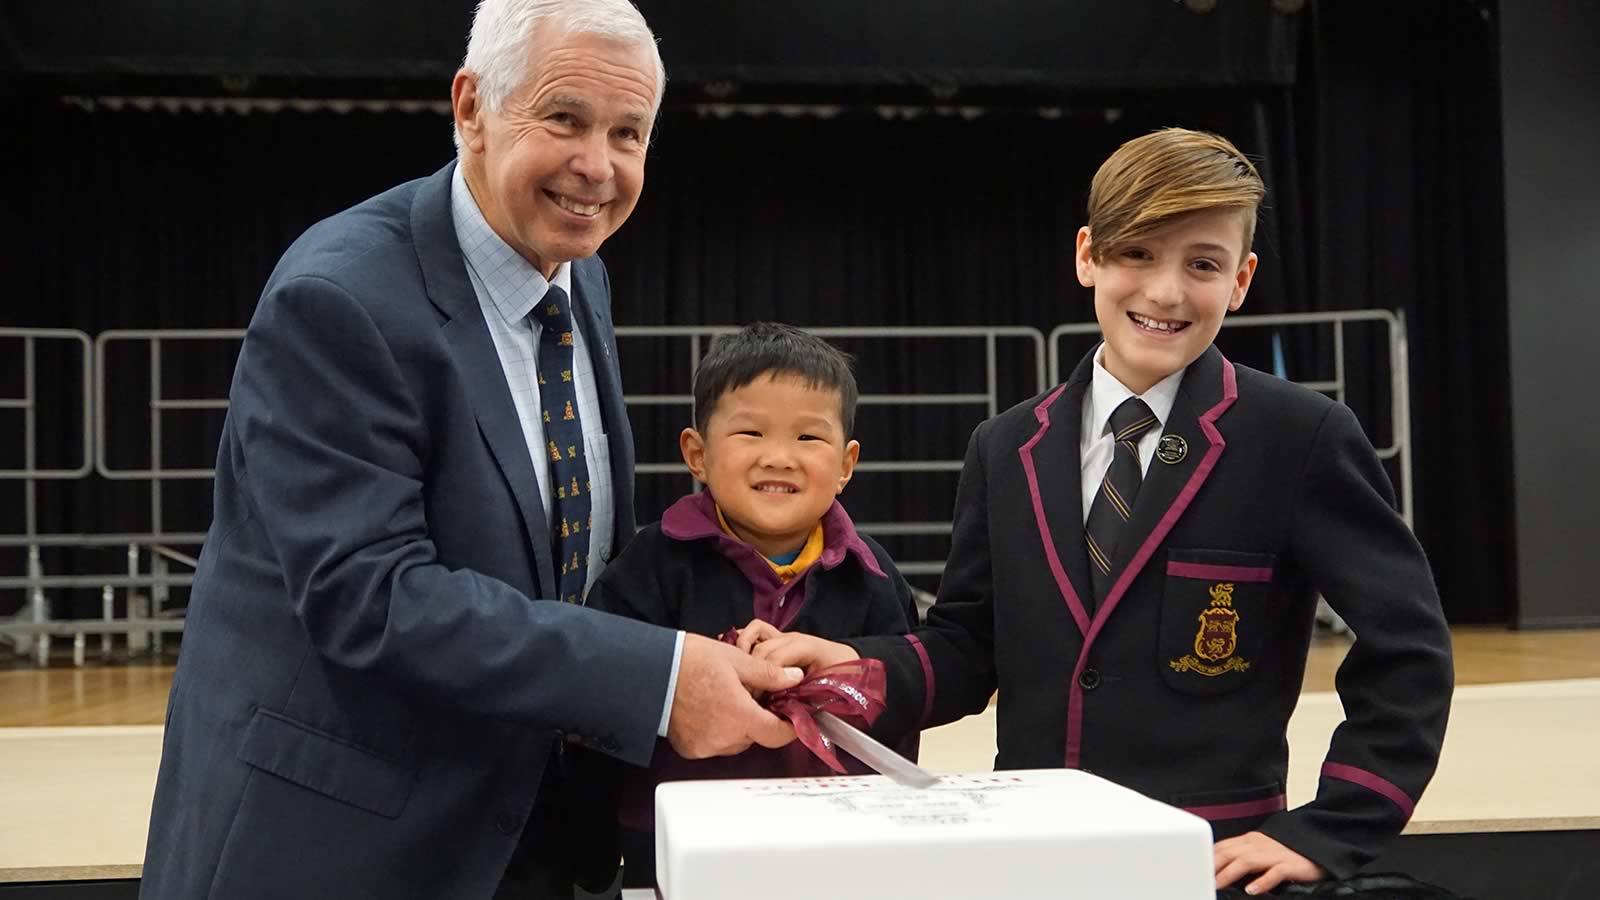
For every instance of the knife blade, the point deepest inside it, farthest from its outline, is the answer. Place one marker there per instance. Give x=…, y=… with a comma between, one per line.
x=881, y=759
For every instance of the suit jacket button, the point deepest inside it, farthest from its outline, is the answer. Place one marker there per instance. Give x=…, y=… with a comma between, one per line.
x=1089, y=679
x=508, y=823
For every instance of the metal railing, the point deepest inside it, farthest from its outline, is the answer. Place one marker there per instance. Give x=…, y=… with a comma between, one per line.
x=29, y=404
x=36, y=608
x=169, y=567
x=159, y=542
x=146, y=619
x=159, y=403
x=1399, y=446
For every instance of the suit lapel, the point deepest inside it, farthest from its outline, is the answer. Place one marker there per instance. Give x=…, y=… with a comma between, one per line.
x=1208, y=390
x=1051, y=463
x=444, y=274
x=591, y=301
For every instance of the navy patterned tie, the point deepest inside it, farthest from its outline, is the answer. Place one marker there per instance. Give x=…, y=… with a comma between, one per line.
x=564, y=451
x=1113, y=503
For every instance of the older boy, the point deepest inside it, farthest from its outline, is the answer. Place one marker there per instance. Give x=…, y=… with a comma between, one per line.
x=1137, y=553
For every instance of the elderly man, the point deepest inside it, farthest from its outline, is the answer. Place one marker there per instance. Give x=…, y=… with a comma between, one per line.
x=425, y=464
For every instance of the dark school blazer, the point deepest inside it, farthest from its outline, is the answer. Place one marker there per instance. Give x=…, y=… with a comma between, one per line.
x=1181, y=683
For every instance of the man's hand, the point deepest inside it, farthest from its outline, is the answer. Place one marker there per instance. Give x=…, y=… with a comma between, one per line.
x=791, y=648
x=713, y=712
x=1250, y=853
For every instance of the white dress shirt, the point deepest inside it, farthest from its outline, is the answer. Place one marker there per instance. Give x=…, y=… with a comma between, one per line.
x=1095, y=444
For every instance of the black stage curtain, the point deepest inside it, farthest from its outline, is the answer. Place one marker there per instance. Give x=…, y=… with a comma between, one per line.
x=1405, y=210
x=400, y=44
x=156, y=219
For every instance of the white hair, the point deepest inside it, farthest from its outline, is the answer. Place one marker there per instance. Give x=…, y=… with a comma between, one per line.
x=503, y=30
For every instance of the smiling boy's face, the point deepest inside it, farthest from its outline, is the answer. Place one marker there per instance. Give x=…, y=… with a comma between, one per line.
x=1160, y=300
x=774, y=455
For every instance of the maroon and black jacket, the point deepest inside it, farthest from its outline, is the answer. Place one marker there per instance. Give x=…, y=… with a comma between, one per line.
x=1181, y=682
x=685, y=572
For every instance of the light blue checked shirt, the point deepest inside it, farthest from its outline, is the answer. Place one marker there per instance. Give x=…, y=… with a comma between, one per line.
x=508, y=286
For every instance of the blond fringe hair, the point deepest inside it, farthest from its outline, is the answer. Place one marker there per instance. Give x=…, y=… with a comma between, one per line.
x=1154, y=179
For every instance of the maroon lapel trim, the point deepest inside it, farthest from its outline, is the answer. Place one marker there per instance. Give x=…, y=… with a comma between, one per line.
x=694, y=518
x=1230, y=393
x=1059, y=572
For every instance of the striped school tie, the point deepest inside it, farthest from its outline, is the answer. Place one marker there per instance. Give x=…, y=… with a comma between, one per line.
x=1113, y=503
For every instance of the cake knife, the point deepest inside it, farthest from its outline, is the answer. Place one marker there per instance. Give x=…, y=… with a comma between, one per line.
x=881, y=759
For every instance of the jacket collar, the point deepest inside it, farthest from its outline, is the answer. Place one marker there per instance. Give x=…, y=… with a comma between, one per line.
x=694, y=518
x=1052, y=465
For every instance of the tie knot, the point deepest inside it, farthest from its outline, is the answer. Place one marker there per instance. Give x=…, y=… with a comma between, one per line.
x=1131, y=419
x=554, y=313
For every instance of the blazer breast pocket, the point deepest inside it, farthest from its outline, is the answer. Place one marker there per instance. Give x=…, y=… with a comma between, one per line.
x=1217, y=612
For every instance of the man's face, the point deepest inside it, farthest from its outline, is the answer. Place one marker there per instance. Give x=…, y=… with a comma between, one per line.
x=559, y=167
x=774, y=455
x=1160, y=300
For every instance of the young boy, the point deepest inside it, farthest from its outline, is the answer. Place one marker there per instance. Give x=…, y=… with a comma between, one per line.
x=1137, y=553
x=766, y=539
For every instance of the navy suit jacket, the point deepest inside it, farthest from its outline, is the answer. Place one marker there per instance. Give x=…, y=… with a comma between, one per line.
x=368, y=689
x=1181, y=681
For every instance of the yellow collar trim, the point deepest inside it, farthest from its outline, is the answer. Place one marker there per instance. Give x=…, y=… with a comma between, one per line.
x=809, y=554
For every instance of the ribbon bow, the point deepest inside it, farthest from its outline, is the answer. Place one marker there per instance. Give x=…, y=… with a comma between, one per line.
x=853, y=690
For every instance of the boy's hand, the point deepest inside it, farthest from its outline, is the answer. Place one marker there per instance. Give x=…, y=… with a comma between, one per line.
x=757, y=631
x=1250, y=853
x=791, y=648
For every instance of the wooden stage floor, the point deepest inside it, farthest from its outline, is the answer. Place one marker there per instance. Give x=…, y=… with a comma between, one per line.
x=136, y=693
x=76, y=740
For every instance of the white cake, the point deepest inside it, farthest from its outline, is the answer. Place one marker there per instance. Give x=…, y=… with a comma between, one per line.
x=1027, y=834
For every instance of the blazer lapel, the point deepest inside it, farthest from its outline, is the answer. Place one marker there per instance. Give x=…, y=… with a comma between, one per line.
x=591, y=302
x=1169, y=487
x=1050, y=461
x=444, y=274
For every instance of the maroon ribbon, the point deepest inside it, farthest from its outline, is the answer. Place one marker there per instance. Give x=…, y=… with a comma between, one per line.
x=853, y=690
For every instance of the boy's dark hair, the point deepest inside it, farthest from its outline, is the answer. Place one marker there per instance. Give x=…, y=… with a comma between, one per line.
x=772, y=348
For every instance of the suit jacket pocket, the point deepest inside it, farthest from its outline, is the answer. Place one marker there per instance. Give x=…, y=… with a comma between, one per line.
x=1217, y=609
x=325, y=764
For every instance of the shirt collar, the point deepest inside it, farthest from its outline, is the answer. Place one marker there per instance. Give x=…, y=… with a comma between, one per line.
x=1106, y=393
x=512, y=284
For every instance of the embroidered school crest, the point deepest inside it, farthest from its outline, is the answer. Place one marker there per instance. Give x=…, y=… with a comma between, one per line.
x=1217, y=639
x=1218, y=636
